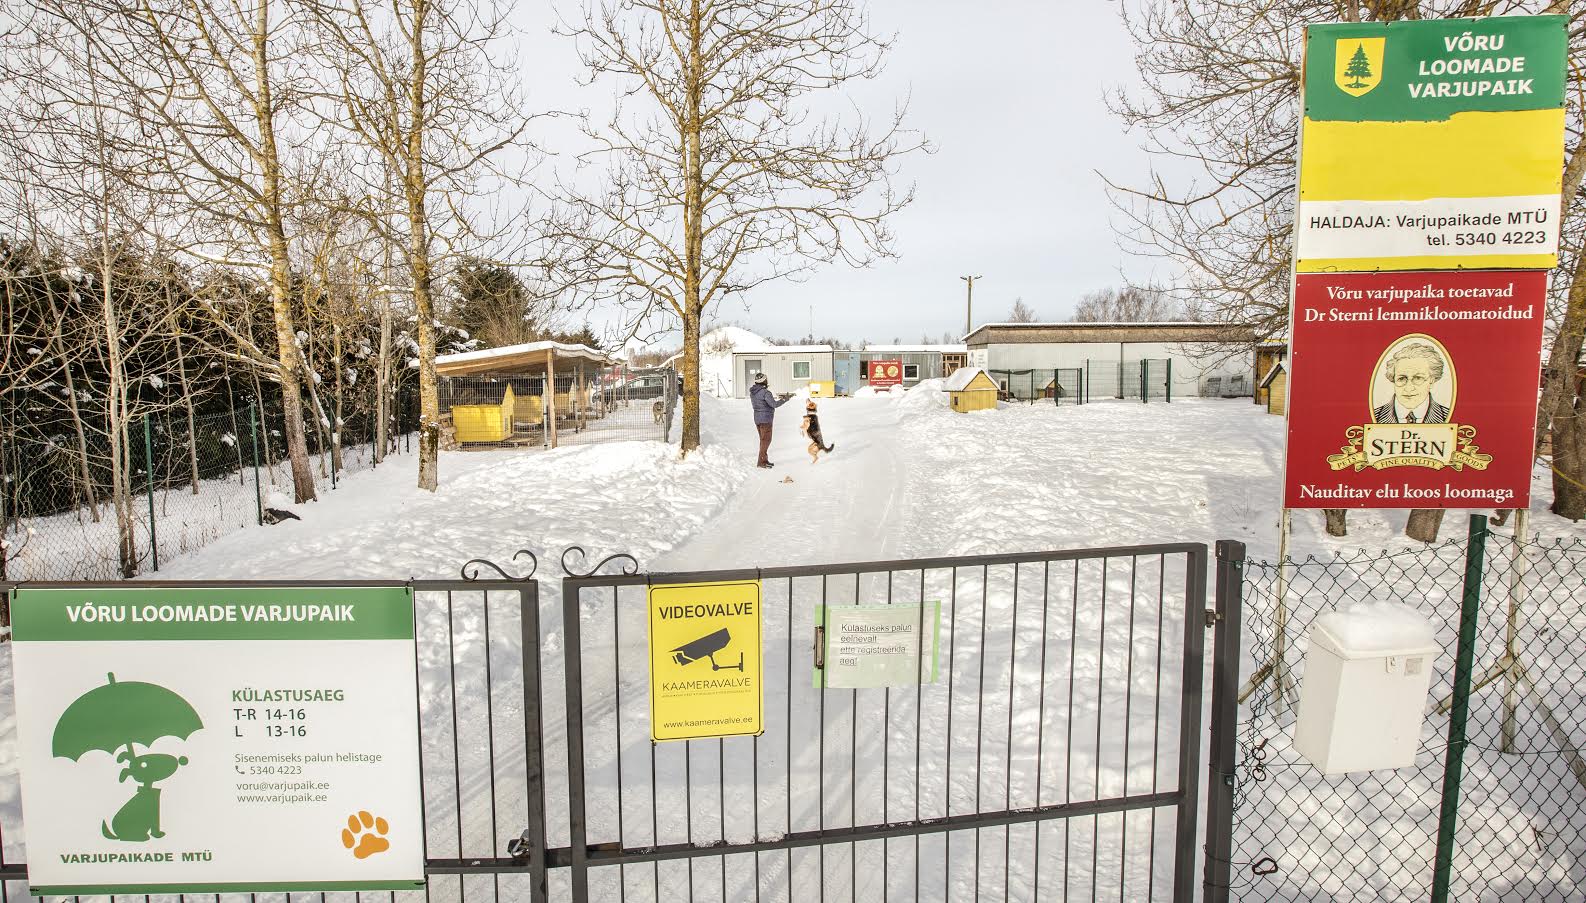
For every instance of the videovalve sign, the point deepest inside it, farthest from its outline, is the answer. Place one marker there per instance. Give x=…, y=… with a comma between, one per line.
x=706, y=677
x=218, y=739
x=1432, y=144
x=1414, y=390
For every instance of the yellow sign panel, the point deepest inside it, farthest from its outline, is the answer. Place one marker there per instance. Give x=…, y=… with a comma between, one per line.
x=705, y=669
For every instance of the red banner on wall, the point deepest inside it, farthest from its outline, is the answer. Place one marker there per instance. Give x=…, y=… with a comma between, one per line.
x=886, y=374
x=1414, y=390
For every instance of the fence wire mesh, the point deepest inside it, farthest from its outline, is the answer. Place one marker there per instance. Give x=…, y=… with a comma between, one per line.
x=186, y=480
x=1521, y=829
x=1131, y=380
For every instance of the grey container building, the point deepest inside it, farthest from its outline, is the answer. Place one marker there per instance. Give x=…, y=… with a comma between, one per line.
x=788, y=368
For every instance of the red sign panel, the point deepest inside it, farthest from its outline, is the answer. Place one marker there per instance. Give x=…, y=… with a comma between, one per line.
x=1414, y=390
x=886, y=374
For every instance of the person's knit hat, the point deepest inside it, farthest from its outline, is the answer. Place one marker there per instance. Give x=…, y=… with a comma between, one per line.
x=760, y=379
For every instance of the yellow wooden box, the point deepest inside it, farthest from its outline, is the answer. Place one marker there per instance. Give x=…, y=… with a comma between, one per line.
x=823, y=388
x=484, y=422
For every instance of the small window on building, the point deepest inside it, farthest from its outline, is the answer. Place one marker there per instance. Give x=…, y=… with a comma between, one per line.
x=864, y=369
x=911, y=372
x=801, y=369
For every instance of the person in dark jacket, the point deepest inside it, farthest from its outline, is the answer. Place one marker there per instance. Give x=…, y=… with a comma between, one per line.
x=765, y=405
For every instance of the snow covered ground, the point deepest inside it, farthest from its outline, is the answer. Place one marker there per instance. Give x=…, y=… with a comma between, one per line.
x=908, y=479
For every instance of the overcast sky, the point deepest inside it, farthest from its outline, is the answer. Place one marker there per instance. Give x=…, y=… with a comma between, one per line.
x=1012, y=96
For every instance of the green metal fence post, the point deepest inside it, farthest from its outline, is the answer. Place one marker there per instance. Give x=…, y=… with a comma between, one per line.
x=148, y=470
x=253, y=434
x=1459, y=711
x=1145, y=381
x=1169, y=384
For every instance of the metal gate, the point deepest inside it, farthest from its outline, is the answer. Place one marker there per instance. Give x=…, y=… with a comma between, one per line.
x=1056, y=754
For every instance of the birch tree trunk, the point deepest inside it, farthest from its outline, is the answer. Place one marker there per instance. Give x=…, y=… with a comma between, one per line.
x=415, y=186
x=290, y=357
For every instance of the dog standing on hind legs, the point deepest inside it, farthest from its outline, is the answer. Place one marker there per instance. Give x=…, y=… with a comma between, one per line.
x=811, y=427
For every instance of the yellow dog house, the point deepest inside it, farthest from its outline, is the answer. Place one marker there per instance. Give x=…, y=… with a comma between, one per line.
x=485, y=422
x=970, y=389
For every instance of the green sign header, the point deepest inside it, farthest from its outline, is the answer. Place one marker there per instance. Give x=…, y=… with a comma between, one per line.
x=1428, y=70
x=62, y=614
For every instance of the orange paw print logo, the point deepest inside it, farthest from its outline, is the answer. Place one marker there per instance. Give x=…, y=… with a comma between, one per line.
x=365, y=835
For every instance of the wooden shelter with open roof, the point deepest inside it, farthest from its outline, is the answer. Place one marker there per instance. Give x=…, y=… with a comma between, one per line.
x=495, y=394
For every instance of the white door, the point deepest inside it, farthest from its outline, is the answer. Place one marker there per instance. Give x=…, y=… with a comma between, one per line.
x=751, y=366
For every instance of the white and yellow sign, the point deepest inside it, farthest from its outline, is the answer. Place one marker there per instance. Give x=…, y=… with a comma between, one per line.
x=705, y=667
x=218, y=739
x=1432, y=145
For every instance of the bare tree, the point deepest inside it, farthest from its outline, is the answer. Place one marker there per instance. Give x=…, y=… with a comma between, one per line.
x=420, y=92
x=719, y=176
x=1130, y=304
x=1021, y=312
x=73, y=200
x=211, y=85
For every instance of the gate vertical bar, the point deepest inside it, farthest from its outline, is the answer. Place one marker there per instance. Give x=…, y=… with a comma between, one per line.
x=1459, y=712
x=1225, y=722
x=574, y=669
x=1190, y=725
x=1168, y=385
x=533, y=740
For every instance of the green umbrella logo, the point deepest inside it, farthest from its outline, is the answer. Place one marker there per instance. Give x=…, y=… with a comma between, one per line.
x=124, y=715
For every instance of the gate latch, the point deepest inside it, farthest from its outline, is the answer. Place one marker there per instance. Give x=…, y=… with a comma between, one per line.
x=1212, y=617
x=521, y=847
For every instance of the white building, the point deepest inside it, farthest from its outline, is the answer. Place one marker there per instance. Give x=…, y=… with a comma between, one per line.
x=1116, y=360
x=788, y=368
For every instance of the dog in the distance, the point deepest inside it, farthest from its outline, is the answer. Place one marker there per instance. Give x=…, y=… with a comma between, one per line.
x=811, y=427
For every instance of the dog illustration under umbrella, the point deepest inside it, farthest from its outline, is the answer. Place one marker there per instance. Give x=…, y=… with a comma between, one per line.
x=123, y=715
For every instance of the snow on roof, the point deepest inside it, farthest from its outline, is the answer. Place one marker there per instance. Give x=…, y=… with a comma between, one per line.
x=961, y=378
x=789, y=349
x=1272, y=374
x=920, y=349
x=509, y=355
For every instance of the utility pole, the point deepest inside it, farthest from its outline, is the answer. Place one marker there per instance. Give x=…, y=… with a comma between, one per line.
x=969, y=305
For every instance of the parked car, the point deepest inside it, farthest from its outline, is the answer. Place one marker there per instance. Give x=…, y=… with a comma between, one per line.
x=650, y=385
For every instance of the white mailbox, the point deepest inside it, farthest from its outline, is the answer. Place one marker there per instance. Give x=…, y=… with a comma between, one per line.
x=1364, y=695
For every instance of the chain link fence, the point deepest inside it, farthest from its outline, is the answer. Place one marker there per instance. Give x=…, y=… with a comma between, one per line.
x=1060, y=386
x=187, y=481
x=1521, y=821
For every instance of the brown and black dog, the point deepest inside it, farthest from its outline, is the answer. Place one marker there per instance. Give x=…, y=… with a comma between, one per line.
x=811, y=427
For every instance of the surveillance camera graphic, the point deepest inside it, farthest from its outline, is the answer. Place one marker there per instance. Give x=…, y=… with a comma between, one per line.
x=706, y=647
